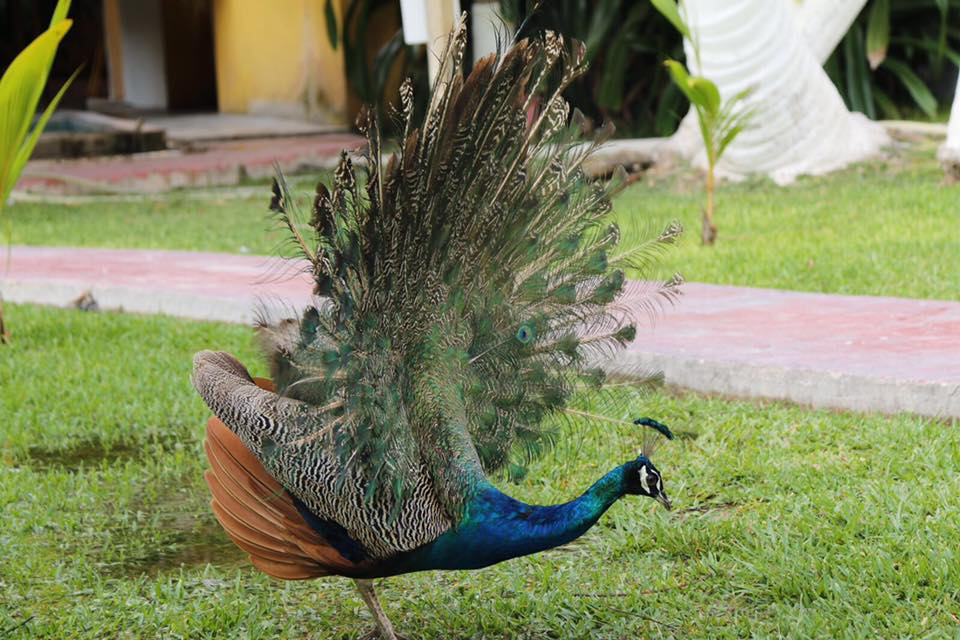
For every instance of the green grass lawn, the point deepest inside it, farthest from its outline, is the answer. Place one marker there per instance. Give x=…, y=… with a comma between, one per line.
x=884, y=228
x=175, y=221
x=787, y=522
x=887, y=228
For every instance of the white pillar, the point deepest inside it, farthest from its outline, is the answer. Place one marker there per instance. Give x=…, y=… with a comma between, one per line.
x=442, y=15
x=823, y=23
x=413, y=15
x=486, y=28
x=144, y=66
x=950, y=151
x=429, y=22
x=800, y=124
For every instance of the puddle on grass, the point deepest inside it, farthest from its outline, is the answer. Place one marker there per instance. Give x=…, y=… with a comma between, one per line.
x=183, y=533
x=92, y=453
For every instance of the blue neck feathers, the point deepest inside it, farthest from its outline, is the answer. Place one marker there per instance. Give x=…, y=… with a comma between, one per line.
x=496, y=528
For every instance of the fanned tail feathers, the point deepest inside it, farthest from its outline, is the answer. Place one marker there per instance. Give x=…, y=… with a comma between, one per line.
x=471, y=282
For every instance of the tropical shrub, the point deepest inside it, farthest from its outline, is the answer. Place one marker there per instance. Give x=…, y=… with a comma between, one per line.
x=372, y=60
x=626, y=43
x=899, y=59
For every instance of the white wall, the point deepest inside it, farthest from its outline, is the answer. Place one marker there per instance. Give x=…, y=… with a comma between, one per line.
x=429, y=22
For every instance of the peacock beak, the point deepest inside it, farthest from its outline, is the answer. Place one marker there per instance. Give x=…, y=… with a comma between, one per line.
x=664, y=500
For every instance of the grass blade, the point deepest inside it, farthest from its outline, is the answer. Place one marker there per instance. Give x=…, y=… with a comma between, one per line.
x=60, y=12
x=331, y=20
x=671, y=11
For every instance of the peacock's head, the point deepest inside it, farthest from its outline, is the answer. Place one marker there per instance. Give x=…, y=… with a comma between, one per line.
x=644, y=479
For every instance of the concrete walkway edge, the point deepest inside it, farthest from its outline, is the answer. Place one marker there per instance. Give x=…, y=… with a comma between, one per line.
x=816, y=388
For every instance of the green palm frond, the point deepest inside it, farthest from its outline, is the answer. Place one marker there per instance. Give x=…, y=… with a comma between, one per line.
x=20, y=90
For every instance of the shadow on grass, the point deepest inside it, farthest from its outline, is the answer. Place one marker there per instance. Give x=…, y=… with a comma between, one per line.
x=92, y=453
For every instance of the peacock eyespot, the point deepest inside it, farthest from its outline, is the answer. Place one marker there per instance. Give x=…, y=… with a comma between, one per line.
x=525, y=334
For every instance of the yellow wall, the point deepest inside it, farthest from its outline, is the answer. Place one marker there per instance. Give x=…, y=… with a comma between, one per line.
x=272, y=56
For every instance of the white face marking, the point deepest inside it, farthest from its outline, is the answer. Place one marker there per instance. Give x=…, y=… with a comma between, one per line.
x=643, y=479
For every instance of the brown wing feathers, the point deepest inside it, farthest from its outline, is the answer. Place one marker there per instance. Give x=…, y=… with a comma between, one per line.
x=259, y=515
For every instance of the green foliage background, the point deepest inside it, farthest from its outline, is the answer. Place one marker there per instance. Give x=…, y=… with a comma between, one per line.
x=913, y=45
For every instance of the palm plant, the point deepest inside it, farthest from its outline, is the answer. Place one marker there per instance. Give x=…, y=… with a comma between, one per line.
x=720, y=122
x=899, y=55
x=20, y=90
x=370, y=78
x=625, y=43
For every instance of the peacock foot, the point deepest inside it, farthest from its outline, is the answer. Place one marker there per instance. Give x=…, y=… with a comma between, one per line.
x=384, y=628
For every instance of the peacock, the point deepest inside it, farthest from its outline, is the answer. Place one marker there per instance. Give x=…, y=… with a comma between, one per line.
x=464, y=291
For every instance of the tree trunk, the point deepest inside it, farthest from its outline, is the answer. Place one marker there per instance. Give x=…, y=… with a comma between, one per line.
x=4, y=335
x=708, y=228
x=823, y=23
x=950, y=151
x=800, y=123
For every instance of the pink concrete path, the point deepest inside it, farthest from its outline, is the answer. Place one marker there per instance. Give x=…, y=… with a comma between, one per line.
x=853, y=352
x=216, y=163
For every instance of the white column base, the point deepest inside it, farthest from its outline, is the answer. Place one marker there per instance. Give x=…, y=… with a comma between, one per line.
x=950, y=152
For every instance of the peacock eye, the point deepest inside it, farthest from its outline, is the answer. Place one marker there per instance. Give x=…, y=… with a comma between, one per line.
x=525, y=334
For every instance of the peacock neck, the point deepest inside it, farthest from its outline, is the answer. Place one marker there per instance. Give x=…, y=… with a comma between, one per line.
x=538, y=528
x=497, y=527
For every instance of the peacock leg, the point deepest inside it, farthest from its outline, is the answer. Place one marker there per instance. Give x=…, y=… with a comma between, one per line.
x=384, y=629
